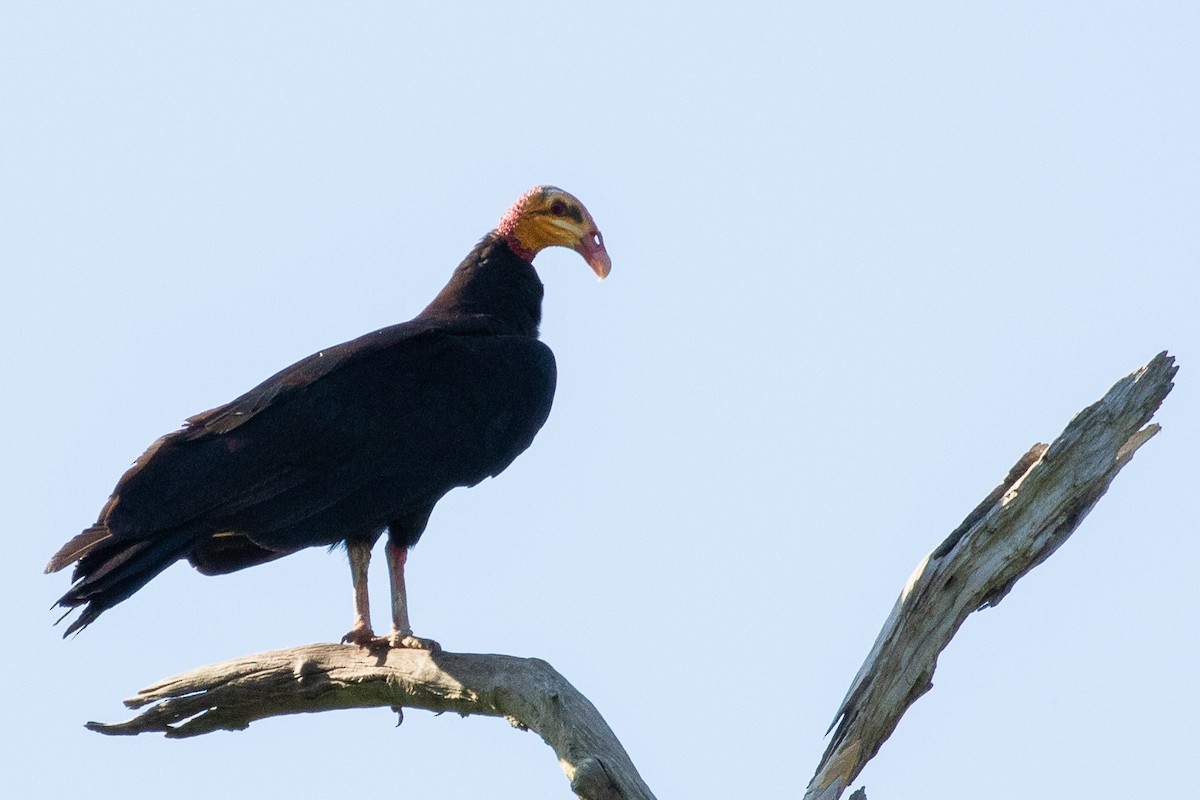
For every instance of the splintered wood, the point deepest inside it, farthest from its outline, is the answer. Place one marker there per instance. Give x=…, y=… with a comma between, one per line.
x=1019, y=525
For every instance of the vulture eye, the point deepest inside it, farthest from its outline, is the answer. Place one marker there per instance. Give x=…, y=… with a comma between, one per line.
x=558, y=208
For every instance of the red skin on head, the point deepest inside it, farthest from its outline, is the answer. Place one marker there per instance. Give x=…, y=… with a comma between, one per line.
x=508, y=224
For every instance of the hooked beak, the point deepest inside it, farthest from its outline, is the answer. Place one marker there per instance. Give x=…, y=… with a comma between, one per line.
x=591, y=247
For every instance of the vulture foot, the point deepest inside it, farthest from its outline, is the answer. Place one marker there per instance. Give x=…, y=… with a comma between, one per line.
x=410, y=642
x=361, y=635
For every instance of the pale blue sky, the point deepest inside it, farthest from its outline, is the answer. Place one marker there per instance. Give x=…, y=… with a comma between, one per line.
x=863, y=255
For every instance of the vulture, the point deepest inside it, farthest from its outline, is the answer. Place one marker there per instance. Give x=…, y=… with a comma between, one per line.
x=353, y=441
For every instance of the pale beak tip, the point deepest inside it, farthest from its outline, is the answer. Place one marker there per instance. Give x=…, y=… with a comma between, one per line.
x=592, y=250
x=601, y=264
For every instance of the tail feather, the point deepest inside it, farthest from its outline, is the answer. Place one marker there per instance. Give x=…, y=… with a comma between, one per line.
x=79, y=546
x=110, y=570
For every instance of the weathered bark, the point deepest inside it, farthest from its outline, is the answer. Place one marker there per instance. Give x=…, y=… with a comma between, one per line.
x=527, y=692
x=1018, y=526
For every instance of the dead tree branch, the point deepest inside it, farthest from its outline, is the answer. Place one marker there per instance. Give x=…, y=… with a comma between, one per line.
x=1018, y=526
x=527, y=692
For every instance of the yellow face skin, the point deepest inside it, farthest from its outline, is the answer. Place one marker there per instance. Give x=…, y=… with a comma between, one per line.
x=546, y=216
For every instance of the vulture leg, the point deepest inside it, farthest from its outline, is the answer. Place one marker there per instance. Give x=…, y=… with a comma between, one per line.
x=402, y=635
x=359, y=554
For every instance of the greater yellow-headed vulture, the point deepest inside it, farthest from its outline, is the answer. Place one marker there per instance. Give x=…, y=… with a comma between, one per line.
x=361, y=438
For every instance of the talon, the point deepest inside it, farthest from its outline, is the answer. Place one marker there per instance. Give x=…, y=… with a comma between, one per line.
x=361, y=635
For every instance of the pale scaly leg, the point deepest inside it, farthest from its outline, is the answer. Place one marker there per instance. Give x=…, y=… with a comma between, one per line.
x=402, y=635
x=359, y=554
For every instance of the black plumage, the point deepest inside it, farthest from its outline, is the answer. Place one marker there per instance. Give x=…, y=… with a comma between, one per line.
x=361, y=438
